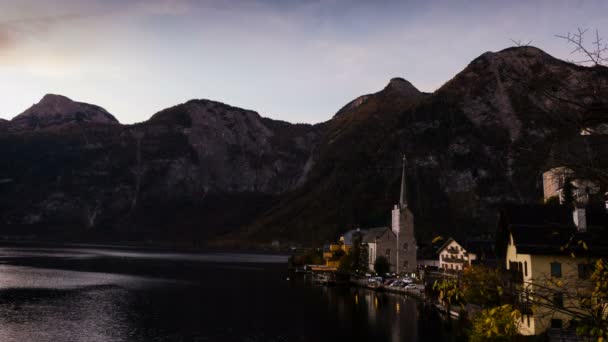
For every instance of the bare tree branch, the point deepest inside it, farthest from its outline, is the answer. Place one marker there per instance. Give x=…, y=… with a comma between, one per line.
x=593, y=55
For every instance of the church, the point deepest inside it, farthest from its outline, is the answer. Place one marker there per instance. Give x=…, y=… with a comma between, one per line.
x=397, y=244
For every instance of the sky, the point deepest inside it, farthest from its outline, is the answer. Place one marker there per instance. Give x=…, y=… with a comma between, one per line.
x=298, y=61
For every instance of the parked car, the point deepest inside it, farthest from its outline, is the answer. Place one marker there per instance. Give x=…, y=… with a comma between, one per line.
x=409, y=286
x=407, y=281
x=375, y=280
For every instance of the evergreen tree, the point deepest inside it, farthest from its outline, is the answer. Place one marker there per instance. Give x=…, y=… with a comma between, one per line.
x=568, y=192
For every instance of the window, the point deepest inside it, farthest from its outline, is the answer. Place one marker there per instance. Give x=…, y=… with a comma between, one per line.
x=556, y=269
x=585, y=270
x=528, y=319
x=556, y=323
x=406, y=264
x=388, y=251
x=558, y=300
x=526, y=268
x=405, y=246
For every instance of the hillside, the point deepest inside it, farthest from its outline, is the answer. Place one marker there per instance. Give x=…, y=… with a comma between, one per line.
x=205, y=171
x=483, y=139
x=189, y=172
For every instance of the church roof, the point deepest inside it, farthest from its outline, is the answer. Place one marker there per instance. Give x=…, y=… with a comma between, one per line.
x=348, y=236
x=375, y=233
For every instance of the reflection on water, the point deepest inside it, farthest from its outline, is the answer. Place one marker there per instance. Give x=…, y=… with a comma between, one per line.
x=97, y=294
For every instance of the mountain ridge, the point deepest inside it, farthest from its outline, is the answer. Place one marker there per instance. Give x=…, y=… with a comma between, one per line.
x=205, y=171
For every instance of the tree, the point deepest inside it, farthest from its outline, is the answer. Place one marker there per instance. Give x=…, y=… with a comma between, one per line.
x=449, y=294
x=596, y=324
x=481, y=285
x=381, y=265
x=593, y=54
x=496, y=324
x=568, y=191
x=346, y=263
x=359, y=258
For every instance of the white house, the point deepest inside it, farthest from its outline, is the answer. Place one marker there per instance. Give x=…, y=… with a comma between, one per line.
x=452, y=256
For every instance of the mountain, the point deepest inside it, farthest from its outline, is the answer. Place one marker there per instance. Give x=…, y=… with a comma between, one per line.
x=56, y=110
x=205, y=171
x=481, y=140
x=192, y=170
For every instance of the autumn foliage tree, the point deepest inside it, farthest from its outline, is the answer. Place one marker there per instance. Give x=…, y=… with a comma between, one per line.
x=481, y=285
x=496, y=324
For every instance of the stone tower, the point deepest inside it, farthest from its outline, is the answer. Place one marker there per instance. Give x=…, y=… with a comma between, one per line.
x=403, y=228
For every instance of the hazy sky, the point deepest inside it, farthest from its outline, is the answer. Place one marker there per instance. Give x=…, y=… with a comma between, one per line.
x=298, y=61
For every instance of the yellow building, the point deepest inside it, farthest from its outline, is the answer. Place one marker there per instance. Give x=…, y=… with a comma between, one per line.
x=550, y=270
x=333, y=253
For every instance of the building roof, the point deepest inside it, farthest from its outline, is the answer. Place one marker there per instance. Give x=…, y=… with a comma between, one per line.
x=445, y=244
x=559, y=240
x=348, y=236
x=539, y=216
x=482, y=248
x=375, y=233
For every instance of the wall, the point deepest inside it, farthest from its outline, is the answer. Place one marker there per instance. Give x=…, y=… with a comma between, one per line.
x=539, y=274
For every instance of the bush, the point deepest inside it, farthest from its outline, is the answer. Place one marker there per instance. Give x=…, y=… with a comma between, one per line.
x=381, y=265
x=496, y=324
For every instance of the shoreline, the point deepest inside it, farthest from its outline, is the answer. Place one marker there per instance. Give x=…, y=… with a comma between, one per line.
x=135, y=246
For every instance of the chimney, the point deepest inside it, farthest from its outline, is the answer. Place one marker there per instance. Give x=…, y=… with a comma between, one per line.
x=580, y=219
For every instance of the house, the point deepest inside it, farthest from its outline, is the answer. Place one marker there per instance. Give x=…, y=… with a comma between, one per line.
x=547, y=258
x=453, y=256
x=333, y=253
x=555, y=181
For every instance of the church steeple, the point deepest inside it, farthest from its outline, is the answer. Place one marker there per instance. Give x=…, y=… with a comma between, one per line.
x=403, y=197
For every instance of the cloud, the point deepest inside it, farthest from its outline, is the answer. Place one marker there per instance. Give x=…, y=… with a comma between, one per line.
x=14, y=32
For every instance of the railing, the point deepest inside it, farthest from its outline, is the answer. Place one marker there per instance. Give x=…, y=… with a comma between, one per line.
x=524, y=306
x=453, y=250
x=454, y=260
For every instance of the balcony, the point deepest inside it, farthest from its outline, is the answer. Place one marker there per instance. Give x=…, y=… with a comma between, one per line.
x=454, y=260
x=524, y=306
x=453, y=250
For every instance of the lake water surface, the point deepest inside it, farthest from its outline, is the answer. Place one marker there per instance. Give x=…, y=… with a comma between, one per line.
x=97, y=294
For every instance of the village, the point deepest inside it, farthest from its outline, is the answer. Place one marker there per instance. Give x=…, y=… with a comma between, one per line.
x=543, y=269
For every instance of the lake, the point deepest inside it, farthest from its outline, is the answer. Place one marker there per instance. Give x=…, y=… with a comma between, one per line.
x=95, y=294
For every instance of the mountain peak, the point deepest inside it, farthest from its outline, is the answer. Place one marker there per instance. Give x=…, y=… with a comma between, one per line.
x=58, y=110
x=515, y=55
x=402, y=87
x=55, y=98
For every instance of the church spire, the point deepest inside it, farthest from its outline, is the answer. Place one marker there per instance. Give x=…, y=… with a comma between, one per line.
x=403, y=197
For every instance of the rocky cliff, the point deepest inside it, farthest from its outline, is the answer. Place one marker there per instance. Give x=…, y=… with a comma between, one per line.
x=195, y=169
x=55, y=111
x=481, y=140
